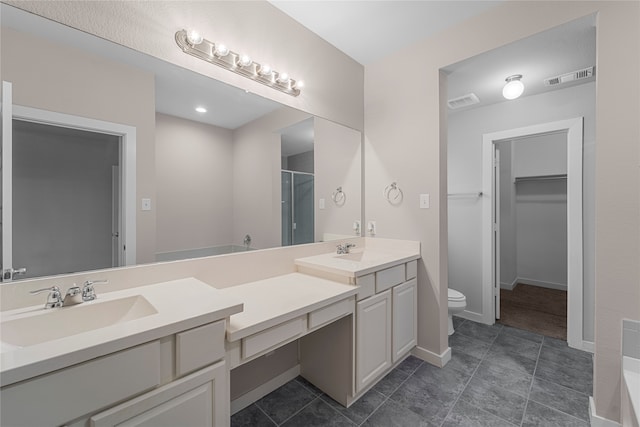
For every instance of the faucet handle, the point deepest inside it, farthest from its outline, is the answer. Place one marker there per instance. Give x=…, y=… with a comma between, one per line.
x=88, y=292
x=54, y=299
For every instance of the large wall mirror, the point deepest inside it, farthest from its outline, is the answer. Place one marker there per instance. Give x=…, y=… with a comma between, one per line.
x=137, y=175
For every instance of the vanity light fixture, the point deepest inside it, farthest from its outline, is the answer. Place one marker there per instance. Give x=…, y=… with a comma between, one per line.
x=514, y=87
x=193, y=43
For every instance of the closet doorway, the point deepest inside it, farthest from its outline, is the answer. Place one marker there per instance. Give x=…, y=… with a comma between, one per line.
x=541, y=168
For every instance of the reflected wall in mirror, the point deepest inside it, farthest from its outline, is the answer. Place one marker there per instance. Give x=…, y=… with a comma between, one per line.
x=203, y=181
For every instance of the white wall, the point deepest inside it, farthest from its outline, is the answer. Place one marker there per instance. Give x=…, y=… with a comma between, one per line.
x=337, y=164
x=194, y=184
x=464, y=172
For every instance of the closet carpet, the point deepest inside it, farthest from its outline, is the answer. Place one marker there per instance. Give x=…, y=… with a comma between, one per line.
x=535, y=309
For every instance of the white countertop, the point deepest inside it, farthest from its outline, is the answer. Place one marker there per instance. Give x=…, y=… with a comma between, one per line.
x=359, y=261
x=272, y=301
x=180, y=305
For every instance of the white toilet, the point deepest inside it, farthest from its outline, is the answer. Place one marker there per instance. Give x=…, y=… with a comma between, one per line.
x=457, y=303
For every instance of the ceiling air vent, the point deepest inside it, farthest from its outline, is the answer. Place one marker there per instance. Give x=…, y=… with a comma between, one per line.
x=569, y=77
x=463, y=101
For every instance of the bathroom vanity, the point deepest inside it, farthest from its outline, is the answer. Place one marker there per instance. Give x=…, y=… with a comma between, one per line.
x=161, y=354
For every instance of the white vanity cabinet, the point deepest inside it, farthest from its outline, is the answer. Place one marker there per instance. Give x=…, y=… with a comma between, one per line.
x=386, y=323
x=180, y=379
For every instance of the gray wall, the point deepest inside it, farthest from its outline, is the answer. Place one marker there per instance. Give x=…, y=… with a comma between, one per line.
x=465, y=174
x=62, y=199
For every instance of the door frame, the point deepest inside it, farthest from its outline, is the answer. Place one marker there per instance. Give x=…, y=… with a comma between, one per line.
x=127, y=136
x=574, y=129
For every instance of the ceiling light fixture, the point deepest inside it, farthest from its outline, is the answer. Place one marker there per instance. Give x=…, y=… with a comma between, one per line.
x=201, y=109
x=514, y=87
x=194, y=44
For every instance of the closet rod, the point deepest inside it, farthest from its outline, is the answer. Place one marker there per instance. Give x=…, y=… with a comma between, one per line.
x=540, y=178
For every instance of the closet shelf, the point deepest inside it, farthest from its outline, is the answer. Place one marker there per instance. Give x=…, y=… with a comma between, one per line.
x=540, y=177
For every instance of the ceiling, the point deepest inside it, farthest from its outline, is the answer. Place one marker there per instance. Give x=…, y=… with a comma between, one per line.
x=369, y=30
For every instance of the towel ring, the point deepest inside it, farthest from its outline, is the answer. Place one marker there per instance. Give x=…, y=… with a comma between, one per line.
x=338, y=197
x=393, y=193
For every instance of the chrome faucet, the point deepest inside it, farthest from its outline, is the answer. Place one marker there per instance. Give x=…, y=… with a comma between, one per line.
x=344, y=248
x=88, y=292
x=73, y=296
x=54, y=299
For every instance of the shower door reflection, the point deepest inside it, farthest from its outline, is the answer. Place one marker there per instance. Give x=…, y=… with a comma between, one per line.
x=297, y=208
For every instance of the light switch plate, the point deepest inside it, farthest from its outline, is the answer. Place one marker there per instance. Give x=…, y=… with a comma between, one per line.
x=424, y=201
x=321, y=204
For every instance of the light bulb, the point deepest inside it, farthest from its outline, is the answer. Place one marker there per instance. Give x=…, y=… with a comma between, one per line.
x=194, y=37
x=265, y=70
x=244, y=60
x=221, y=50
x=299, y=84
x=283, y=78
x=514, y=87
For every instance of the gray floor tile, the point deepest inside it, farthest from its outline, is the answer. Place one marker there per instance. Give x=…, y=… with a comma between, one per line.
x=464, y=414
x=392, y=414
x=390, y=383
x=521, y=333
x=500, y=357
x=479, y=331
x=574, y=378
x=540, y=415
x=410, y=364
x=467, y=345
x=496, y=374
x=463, y=362
x=522, y=346
x=313, y=389
x=318, y=414
x=558, y=397
x=251, y=416
x=452, y=380
x=282, y=403
x=429, y=400
x=359, y=411
x=555, y=342
x=495, y=400
x=567, y=356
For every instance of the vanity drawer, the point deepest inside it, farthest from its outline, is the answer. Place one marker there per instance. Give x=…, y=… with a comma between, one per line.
x=390, y=277
x=412, y=269
x=199, y=347
x=64, y=395
x=330, y=313
x=367, y=286
x=273, y=337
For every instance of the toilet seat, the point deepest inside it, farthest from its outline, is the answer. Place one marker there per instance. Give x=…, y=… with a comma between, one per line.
x=455, y=296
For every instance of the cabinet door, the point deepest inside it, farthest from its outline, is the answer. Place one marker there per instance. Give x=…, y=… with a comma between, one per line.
x=373, y=338
x=200, y=399
x=405, y=318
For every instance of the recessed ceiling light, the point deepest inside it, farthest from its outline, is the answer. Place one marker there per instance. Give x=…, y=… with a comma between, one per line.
x=201, y=109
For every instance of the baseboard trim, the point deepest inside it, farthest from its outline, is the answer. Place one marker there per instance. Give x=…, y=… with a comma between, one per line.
x=542, y=284
x=247, y=399
x=471, y=315
x=589, y=346
x=509, y=286
x=597, y=421
x=436, y=359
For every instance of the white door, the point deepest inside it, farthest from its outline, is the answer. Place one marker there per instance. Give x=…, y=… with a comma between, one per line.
x=496, y=230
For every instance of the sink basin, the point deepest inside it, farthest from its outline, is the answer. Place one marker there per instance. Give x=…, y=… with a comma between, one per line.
x=362, y=256
x=51, y=324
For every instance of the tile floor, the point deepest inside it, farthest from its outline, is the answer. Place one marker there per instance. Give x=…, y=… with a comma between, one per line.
x=497, y=376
